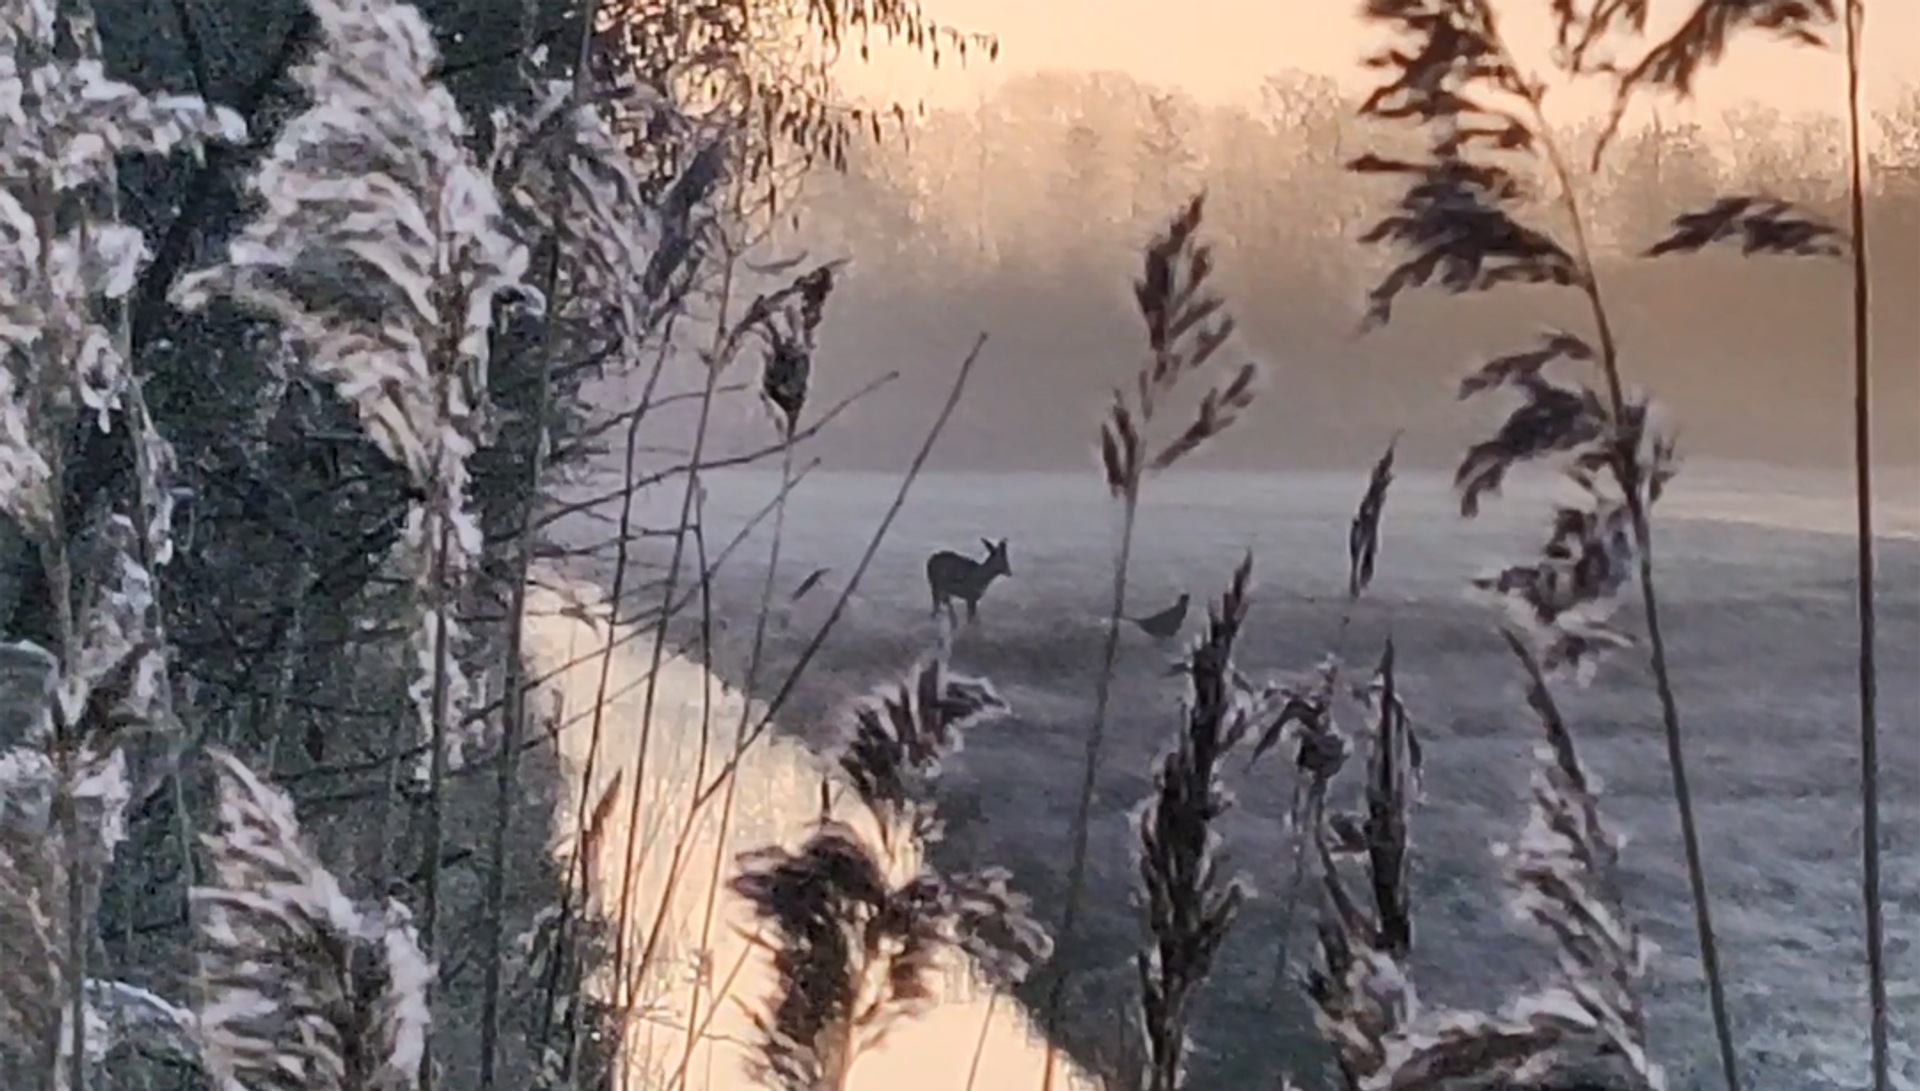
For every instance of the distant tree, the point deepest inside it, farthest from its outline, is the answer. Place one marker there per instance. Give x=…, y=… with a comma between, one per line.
x=1166, y=166
x=1309, y=117
x=1760, y=158
x=1899, y=151
x=1896, y=164
x=869, y=209
x=1083, y=187
x=1653, y=171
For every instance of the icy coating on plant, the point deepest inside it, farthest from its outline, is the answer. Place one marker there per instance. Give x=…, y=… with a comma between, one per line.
x=381, y=244
x=67, y=267
x=303, y=988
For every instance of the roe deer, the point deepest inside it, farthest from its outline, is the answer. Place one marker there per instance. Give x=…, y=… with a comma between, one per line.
x=953, y=576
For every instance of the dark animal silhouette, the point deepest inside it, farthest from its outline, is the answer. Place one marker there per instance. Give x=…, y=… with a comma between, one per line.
x=952, y=576
x=808, y=584
x=1165, y=625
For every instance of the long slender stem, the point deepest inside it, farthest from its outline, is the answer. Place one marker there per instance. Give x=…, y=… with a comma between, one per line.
x=436, y=768
x=1303, y=827
x=1089, y=776
x=1306, y=808
x=1863, y=508
x=1627, y=468
x=576, y=890
x=514, y=717
x=754, y=658
x=623, y=974
x=644, y=729
x=779, y=699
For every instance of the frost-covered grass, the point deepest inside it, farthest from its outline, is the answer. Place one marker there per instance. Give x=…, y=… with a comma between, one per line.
x=1760, y=620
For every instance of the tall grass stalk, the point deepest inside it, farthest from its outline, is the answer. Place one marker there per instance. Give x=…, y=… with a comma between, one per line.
x=787, y=320
x=724, y=783
x=626, y=977
x=807, y=295
x=1308, y=709
x=513, y=714
x=1867, y=659
x=1185, y=328
x=1456, y=77
x=645, y=265
x=577, y=891
x=749, y=684
x=1627, y=469
x=1188, y=905
x=635, y=262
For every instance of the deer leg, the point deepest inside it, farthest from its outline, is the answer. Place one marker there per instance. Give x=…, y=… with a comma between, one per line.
x=973, y=611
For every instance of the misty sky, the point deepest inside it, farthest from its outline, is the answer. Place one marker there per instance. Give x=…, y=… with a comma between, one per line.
x=1219, y=49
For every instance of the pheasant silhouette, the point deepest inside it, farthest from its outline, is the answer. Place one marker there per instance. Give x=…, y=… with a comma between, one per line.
x=1165, y=625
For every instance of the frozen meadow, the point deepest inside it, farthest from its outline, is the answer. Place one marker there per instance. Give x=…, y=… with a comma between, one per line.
x=1757, y=585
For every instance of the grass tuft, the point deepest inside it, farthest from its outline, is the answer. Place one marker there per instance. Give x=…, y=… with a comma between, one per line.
x=302, y=988
x=858, y=926
x=1188, y=906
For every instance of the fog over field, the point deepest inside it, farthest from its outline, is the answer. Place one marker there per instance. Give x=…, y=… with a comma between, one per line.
x=1757, y=598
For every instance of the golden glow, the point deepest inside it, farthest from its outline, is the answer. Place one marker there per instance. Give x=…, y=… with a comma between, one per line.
x=1218, y=50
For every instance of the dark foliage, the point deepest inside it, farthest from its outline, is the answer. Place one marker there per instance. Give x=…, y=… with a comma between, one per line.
x=1189, y=905
x=854, y=949
x=893, y=741
x=1759, y=225
x=1363, y=533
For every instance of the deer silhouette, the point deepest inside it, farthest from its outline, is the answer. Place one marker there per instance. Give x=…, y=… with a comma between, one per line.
x=952, y=576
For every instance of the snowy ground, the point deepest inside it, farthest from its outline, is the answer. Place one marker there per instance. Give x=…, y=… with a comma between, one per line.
x=1757, y=600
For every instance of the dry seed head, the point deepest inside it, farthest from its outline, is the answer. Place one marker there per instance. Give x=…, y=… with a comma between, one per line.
x=1120, y=447
x=789, y=323
x=1551, y=420
x=1301, y=710
x=893, y=740
x=1160, y=291
x=1219, y=408
x=1518, y=368
x=1363, y=534
x=1393, y=787
x=302, y=989
x=1188, y=906
x=1185, y=330
x=858, y=923
x=854, y=953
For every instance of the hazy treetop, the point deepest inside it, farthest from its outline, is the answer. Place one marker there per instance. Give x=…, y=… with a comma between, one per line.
x=1220, y=50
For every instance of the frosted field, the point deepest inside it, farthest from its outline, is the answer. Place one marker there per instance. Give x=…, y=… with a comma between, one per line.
x=1756, y=593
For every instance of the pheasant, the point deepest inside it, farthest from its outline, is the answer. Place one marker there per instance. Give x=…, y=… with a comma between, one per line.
x=1164, y=625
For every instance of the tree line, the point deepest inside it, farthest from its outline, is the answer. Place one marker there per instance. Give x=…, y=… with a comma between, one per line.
x=1021, y=211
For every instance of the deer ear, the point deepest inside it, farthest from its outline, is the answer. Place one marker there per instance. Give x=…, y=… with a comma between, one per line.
x=988, y=544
